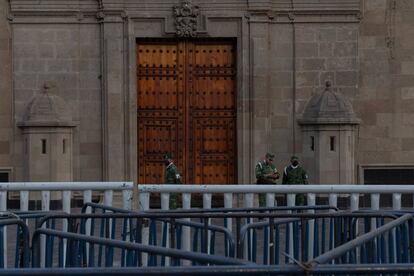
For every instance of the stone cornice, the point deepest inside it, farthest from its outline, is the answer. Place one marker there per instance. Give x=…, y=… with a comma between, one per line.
x=271, y=11
x=67, y=16
x=317, y=16
x=303, y=16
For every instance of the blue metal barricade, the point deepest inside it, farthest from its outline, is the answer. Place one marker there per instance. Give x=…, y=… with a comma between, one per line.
x=330, y=230
x=27, y=220
x=386, y=238
x=371, y=248
x=105, y=221
x=22, y=253
x=107, y=226
x=76, y=256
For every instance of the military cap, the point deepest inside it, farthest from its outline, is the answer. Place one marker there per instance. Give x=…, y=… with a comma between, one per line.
x=270, y=156
x=168, y=155
x=294, y=157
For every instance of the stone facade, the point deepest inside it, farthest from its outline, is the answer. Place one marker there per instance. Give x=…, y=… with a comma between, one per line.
x=6, y=102
x=287, y=49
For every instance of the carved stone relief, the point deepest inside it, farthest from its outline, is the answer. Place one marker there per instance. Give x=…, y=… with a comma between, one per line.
x=186, y=19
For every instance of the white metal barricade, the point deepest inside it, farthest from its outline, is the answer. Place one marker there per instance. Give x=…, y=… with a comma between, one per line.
x=66, y=189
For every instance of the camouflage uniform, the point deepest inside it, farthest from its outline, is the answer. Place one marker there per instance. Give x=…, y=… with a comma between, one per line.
x=172, y=176
x=262, y=169
x=295, y=175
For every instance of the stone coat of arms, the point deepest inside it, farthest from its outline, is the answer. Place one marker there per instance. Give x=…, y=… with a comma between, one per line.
x=186, y=19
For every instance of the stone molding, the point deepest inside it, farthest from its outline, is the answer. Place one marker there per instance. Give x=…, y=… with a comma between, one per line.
x=276, y=11
x=304, y=16
x=66, y=16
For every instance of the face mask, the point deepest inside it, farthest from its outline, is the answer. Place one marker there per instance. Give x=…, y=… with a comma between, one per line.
x=295, y=163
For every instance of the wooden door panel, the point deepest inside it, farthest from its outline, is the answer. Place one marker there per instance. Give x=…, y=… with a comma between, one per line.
x=155, y=138
x=212, y=112
x=153, y=172
x=158, y=75
x=159, y=136
x=160, y=103
x=214, y=143
x=214, y=136
x=212, y=93
x=215, y=172
x=186, y=103
x=213, y=54
x=158, y=95
x=152, y=53
x=213, y=74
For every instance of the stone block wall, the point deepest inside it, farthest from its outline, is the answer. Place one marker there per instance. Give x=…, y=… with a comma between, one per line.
x=386, y=93
x=68, y=55
x=6, y=122
x=302, y=58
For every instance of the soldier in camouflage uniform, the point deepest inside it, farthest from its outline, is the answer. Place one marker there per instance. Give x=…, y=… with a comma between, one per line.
x=172, y=176
x=295, y=174
x=266, y=173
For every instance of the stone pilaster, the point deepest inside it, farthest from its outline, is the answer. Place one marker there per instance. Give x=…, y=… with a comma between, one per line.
x=113, y=105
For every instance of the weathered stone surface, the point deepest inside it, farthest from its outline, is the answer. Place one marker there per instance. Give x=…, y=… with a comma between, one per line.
x=327, y=35
x=313, y=64
x=4, y=147
x=307, y=49
x=345, y=49
x=407, y=93
x=326, y=49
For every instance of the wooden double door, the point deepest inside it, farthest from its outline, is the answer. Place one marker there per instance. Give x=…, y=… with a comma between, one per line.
x=186, y=100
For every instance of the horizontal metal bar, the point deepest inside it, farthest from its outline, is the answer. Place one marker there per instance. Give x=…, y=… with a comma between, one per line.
x=214, y=210
x=285, y=269
x=67, y=186
x=252, y=209
x=366, y=269
x=7, y=214
x=178, y=222
x=144, y=215
x=189, y=270
x=278, y=189
x=37, y=214
x=262, y=224
x=222, y=215
x=170, y=252
x=103, y=208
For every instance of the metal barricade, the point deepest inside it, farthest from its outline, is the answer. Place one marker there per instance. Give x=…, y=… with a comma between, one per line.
x=330, y=230
x=358, y=240
x=268, y=270
x=14, y=242
x=21, y=258
x=101, y=224
x=64, y=191
x=140, y=221
x=372, y=247
x=76, y=256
